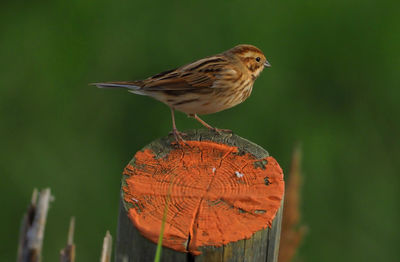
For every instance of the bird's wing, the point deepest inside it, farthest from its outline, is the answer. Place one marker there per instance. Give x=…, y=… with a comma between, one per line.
x=202, y=74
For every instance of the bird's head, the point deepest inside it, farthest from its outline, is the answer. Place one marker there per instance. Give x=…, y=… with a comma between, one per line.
x=251, y=57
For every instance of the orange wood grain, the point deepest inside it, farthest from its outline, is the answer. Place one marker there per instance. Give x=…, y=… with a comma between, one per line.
x=217, y=195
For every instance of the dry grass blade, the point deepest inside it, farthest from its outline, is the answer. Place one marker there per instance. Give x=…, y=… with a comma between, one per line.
x=33, y=226
x=107, y=248
x=68, y=253
x=292, y=232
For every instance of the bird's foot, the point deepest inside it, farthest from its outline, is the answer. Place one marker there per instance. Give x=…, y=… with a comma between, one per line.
x=178, y=136
x=220, y=131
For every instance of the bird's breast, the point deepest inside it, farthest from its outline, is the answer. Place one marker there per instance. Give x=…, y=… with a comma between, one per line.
x=208, y=100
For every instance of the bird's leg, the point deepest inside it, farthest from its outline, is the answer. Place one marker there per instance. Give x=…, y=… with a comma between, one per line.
x=175, y=132
x=195, y=116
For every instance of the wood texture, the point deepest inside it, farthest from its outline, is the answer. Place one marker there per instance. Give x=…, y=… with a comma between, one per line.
x=261, y=246
x=68, y=253
x=107, y=248
x=33, y=226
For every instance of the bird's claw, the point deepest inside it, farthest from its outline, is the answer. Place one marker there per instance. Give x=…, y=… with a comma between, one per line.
x=220, y=131
x=178, y=136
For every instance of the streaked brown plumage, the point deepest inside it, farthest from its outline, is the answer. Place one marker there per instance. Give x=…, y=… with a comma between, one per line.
x=207, y=86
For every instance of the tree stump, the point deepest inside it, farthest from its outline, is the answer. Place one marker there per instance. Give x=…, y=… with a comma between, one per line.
x=220, y=193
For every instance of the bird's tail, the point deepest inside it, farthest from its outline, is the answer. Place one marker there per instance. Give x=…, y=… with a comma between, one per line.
x=132, y=86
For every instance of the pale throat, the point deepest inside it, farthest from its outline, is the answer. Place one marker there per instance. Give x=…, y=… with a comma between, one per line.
x=255, y=74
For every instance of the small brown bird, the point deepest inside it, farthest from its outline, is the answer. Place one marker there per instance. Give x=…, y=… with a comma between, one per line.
x=207, y=86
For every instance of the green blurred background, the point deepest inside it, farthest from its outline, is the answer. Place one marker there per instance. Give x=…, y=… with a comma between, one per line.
x=334, y=86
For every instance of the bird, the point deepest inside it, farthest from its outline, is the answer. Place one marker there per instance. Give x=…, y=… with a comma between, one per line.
x=206, y=86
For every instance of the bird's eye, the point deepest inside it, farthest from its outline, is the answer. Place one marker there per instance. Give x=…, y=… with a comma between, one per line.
x=258, y=59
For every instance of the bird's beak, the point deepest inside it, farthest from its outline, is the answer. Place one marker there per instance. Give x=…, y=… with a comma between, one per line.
x=267, y=64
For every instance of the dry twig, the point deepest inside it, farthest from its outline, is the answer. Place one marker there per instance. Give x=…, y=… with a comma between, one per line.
x=33, y=226
x=68, y=253
x=292, y=232
x=107, y=248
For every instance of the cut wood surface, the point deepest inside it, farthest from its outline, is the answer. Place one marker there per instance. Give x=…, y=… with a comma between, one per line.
x=223, y=194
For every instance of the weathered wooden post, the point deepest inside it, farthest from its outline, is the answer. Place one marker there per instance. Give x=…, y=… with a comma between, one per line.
x=220, y=197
